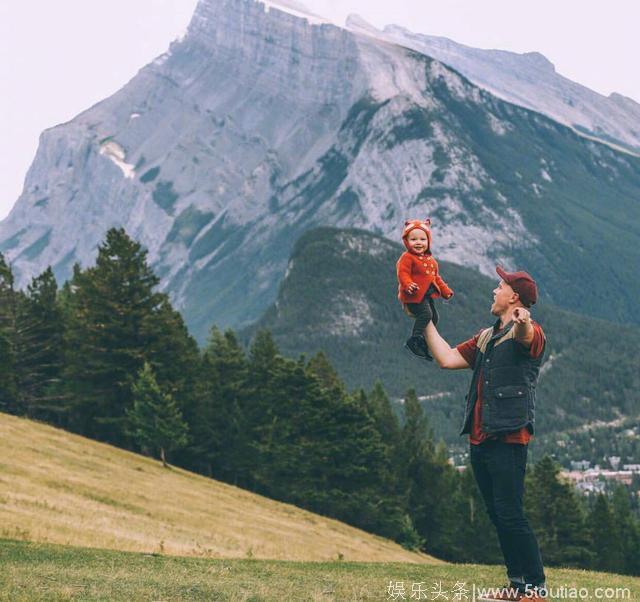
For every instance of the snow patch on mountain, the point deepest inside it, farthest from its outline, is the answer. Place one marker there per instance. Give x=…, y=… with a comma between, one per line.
x=297, y=10
x=116, y=153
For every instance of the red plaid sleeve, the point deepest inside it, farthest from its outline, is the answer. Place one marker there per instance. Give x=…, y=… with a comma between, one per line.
x=537, y=345
x=469, y=349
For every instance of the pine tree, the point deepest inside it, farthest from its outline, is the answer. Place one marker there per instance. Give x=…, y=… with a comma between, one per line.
x=444, y=542
x=171, y=350
x=263, y=362
x=155, y=422
x=318, y=447
x=217, y=423
x=605, y=538
x=108, y=336
x=386, y=420
x=262, y=353
x=261, y=405
x=349, y=473
x=377, y=492
x=628, y=526
x=388, y=426
x=557, y=516
x=280, y=391
x=426, y=476
x=8, y=340
x=474, y=536
x=322, y=369
x=40, y=349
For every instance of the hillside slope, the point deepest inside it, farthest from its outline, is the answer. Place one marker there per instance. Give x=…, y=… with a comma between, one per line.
x=57, y=487
x=339, y=296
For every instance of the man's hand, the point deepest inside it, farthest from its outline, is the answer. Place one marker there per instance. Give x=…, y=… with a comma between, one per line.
x=412, y=288
x=523, y=328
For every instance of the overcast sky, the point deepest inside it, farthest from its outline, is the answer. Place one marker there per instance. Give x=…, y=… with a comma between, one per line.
x=58, y=58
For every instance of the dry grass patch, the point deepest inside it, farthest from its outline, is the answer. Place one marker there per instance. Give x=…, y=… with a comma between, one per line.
x=62, y=488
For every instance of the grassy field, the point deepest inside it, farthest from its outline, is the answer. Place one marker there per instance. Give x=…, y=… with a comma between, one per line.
x=50, y=572
x=80, y=520
x=56, y=487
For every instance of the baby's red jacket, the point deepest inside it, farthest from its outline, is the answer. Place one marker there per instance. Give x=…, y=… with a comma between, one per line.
x=423, y=270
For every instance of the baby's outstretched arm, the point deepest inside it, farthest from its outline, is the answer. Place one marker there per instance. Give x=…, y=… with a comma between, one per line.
x=446, y=292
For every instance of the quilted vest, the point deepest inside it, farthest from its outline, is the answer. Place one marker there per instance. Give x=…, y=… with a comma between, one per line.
x=509, y=376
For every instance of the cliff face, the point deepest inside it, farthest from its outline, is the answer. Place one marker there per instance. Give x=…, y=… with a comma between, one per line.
x=260, y=124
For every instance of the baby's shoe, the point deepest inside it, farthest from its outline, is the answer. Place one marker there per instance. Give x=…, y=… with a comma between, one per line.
x=418, y=346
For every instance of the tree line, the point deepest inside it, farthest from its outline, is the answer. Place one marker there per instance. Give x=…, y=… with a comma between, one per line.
x=107, y=356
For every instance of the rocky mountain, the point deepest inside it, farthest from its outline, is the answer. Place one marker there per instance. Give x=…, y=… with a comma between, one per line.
x=339, y=297
x=529, y=80
x=261, y=123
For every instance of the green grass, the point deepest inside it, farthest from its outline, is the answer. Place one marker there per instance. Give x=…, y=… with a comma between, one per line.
x=53, y=572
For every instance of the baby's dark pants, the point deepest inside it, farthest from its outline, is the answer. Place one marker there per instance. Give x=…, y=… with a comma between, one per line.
x=424, y=312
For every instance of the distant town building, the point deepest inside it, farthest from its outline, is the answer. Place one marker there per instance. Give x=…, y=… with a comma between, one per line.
x=593, y=479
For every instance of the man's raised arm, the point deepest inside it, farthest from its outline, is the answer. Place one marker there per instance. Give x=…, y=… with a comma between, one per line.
x=446, y=357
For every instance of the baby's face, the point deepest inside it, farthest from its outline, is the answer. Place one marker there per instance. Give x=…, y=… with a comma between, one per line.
x=418, y=240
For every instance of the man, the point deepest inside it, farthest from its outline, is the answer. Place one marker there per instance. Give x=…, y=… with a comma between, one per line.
x=499, y=419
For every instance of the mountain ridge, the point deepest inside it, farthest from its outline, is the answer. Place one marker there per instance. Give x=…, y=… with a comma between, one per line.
x=257, y=126
x=528, y=79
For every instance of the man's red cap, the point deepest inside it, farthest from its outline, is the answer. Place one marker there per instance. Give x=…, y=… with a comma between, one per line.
x=522, y=284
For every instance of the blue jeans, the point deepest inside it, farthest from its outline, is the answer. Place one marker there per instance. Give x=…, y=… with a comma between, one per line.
x=499, y=470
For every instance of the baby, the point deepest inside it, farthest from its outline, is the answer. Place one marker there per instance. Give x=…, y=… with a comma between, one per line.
x=419, y=283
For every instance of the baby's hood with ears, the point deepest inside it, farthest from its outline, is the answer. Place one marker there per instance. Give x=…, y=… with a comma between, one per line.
x=420, y=224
